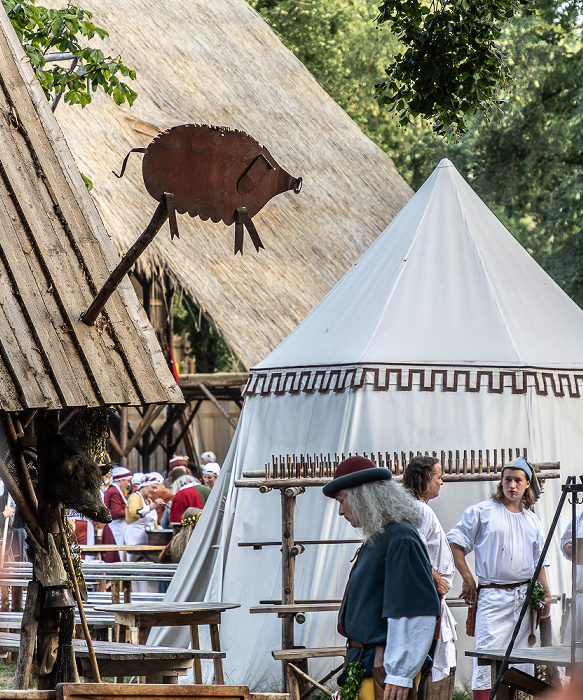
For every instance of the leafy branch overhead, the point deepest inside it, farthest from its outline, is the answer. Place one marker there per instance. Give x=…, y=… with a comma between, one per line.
x=451, y=65
x=42, y=31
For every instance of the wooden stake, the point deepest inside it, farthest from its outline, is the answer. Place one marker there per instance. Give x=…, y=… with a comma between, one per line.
x=72, y=574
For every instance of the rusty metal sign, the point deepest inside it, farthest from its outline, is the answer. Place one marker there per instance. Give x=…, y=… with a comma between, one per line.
x=212, y=172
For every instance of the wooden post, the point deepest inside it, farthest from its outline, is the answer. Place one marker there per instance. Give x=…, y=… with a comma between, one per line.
x=48, y=626
x=288, y=566
x=123, y=435
x=28, y=630
x=73, y=577
x=126, y=264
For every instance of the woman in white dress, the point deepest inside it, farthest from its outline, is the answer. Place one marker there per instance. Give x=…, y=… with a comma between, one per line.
x=141, y=511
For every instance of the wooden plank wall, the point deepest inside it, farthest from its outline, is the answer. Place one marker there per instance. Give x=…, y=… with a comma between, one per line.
x=54, y=257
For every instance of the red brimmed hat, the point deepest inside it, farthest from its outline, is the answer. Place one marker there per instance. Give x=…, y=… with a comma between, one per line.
x=353, y=472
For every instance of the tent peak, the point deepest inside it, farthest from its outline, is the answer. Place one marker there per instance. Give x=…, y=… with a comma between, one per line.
x=445, y=163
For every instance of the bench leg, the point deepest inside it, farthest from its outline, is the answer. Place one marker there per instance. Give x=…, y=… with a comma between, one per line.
x=218, y=663
x=195, y=644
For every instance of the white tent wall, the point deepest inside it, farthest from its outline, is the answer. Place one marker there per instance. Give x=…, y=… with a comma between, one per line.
x=352, y=421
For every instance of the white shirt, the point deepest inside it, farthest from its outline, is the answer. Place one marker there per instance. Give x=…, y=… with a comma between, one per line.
x=507, y=545
x=435, y=540
x=408, y=641
x=566, y=537
x=441, y=559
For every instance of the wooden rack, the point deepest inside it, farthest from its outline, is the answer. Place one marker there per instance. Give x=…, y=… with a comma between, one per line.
x=292, y=474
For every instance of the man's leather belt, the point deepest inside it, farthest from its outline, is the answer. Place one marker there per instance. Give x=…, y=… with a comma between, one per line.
x=503, y=585
x=351, y=644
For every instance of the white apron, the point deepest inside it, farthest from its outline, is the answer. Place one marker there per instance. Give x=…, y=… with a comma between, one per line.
x=135, y=533
x=118, y=526
x=498, y=611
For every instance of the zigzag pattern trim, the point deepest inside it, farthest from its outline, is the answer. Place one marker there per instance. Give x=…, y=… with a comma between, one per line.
x=494, y=380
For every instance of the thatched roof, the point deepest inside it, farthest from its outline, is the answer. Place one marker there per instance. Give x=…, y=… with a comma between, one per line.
x=217, y=62
x=54, y=254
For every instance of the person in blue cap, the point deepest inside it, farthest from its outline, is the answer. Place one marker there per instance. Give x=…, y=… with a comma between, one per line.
x=507, y=541
x=390, y=605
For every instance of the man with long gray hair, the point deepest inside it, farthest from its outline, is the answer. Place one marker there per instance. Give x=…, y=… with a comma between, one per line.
x=390, y=605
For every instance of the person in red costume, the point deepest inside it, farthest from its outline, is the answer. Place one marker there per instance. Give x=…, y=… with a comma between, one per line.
x=115, y=499
x=186, y=497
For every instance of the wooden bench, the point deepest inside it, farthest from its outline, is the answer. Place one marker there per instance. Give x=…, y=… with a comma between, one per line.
x=297, y=676
x=88, y=691
x=156, y=664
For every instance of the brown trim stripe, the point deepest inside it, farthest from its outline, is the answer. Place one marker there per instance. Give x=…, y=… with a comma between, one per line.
x=546, y=382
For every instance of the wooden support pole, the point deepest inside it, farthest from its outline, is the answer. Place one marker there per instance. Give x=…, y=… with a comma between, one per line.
x=73, y=577
x=28, y=630
x=48, y=624
x=288, y=566
x=24, y=480
x=123, y=435
x=126, y=264
x=218, y=406
x=29, y=517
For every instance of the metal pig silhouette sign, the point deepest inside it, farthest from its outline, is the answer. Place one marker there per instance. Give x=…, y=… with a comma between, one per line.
x=215, y=173
x=208, y=171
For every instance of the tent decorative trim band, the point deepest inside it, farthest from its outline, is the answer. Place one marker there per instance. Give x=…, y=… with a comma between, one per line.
x=546, y=382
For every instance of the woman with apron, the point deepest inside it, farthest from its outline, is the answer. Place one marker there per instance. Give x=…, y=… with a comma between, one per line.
x=115, y=499
x=141, y=512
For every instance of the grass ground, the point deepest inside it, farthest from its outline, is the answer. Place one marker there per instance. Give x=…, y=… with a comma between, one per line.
x=7, y=674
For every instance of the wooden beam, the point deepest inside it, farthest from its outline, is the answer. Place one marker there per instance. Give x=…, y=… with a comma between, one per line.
x=151, y=414
x=168, y=423
x=218, y=406
x=186, y=425
x=29, y=517
x=25, y=483
x=114, y=442
x=123, y=435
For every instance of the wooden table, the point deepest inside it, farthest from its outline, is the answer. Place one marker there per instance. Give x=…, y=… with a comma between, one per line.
x=144, y=616
x=157, y=664
x=559, y=656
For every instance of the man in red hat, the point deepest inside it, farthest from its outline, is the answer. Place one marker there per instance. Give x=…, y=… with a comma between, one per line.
x=390, y=605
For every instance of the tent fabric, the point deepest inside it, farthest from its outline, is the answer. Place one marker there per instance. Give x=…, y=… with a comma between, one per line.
x=365, y=419
x=445, y=268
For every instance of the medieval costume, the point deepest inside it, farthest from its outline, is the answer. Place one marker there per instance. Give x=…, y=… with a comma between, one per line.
x=390, y=598
x=390, y=605
x=507, y=547
x=566, y=538
x=115, y=499
x=186, y=497
x=434, y=538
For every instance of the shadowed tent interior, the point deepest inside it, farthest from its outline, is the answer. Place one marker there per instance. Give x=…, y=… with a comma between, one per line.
x=217, y=62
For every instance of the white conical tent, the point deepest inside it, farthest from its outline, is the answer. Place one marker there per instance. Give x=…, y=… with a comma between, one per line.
x=445, y=335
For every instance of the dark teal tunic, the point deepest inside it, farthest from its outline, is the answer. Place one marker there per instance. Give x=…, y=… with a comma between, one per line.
x=391, y=578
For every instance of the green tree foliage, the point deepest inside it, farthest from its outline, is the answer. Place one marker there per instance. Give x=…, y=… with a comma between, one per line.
x=527, y=163
x=452, y=65
x=524, y=159
x=208, y=349
x=42, y=31
x=338, y=41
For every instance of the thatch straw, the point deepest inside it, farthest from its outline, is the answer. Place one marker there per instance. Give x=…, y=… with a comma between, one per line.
x=217, y=62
